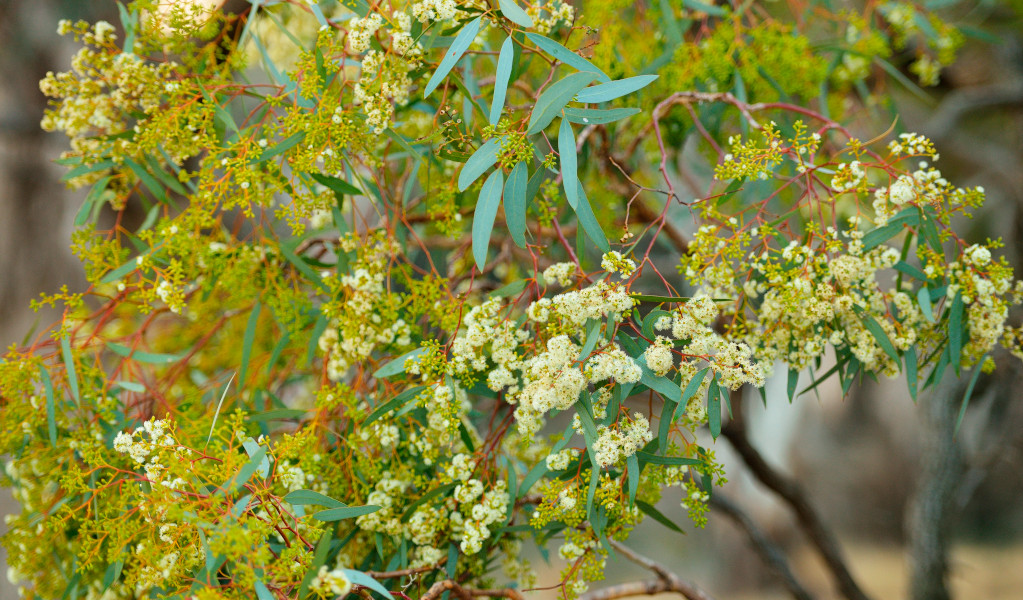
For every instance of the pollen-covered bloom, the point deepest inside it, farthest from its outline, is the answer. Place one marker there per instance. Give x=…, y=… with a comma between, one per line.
x=332, y=583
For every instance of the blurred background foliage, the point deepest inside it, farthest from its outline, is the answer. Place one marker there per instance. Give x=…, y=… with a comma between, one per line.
x=859, y=458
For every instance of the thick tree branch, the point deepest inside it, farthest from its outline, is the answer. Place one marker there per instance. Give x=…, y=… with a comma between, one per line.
x=769, y=552
x=785, y=487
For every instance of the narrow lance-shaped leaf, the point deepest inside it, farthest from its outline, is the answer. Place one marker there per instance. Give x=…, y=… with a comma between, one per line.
x=554, y=98
x=247, y=340
x=51, y=411
x=484, y=215
x=566, y=56
x=569, y=162
x=515, y=13
x=615, y=89
x=344, y=512
x=481, y=160
x=69, y=365
x=955, y=331
x=589, y=222
x=366, y=581
x=515, y=204
x=307, y=497
x=969, y=392
x=714, y=408
x=596, y=116
x=505, y=61
x=881, y=337
x=924, y=299
x=458, y=47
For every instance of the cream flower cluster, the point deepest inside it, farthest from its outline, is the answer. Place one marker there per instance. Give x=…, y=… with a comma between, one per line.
x=547, y=16
x=331, y=583
x=613, y=262
x=143, y=452
x=362, y=323
x=616, y=444
x=658, y=356
x=101, y=94
x=468, y=515
x=434, y=10
x=926, y=185
x=362, y=30
x=808, y=297
x=562, y=273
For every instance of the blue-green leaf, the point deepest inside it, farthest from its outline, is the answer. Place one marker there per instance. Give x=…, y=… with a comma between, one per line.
x=514, y=13
x=397, y=365
x=632, y=465
x=51, y=410
x=360, y=578
x=281, y=147
x=398, y=401
x=569, y=163
x=923, y=297
x=484, y=215
x=880, y=336
x=344, y=512
x=596, y=116
x=566, y=56
x=481, y=160
x=894, y=226
x=671, y=461
x=911, y=371
x=515, y=203
x=458, y=47
x=247, y=471
x=307, y=497
x=504, y=68
x=969, y=392
x=709, y=9
x=658, y=516
x=714, y=408
x=92, y=201
x=793, y=382
x=955, y=331
x=131, y=386
x=615, y=89
x=120, y=272
x=69, y=365
x=589, y=222
x=694, y=385
x=262, y=592
x=340, y=187
x=555, y=98
x=592, y=337
x=247, y=341
x=143, y=357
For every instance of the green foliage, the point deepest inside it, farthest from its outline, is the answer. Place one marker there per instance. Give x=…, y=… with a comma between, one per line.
x=305, y=369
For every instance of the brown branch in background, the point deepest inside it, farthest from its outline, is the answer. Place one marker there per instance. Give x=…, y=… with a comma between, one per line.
x=769, y=552
x=790, y=491
x=466, y=593
x=666, y=581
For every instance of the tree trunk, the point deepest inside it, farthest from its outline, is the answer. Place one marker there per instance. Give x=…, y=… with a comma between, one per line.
x=931, y=510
